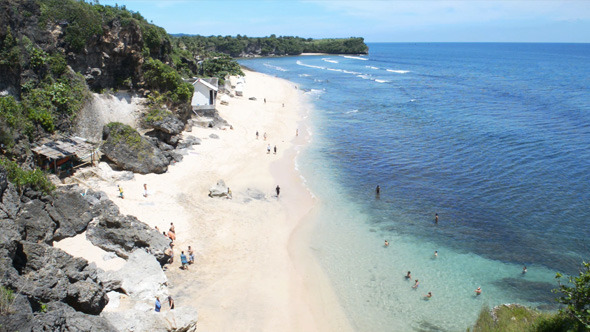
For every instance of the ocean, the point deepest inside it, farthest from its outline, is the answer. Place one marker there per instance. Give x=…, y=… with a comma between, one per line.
x=492, y=137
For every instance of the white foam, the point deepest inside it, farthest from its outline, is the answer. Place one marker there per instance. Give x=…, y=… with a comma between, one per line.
x=365, y=77
x=275, y=67
x=355, y=57
x=398, y=71
x=381, y=81
x=371, y=67
x=309, y=66
x=329, y=60
x=353, y=111
x=304, y=75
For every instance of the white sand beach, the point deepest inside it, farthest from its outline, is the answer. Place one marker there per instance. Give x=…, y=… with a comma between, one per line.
x=254, y=270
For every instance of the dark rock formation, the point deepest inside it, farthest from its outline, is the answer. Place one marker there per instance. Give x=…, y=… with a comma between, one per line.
x=123, y=234
x=130, y=151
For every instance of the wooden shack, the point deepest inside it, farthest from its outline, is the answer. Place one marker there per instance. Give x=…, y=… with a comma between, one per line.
x=64, y=154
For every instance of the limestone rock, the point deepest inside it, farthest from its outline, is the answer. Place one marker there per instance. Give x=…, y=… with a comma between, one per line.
x=142, y=277
x=183, y=319
x=123, y=234
x=130, y=151
x=218, y=190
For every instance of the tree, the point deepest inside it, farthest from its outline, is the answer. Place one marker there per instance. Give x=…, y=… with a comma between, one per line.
x=576, y=296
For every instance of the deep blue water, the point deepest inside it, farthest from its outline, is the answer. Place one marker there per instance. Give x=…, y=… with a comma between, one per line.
x=495, y=138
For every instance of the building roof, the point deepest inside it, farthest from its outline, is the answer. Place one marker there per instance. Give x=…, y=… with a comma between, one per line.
x=211, y=83
x=63, y=147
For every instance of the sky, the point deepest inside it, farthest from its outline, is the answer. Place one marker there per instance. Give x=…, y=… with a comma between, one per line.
x=376, y=21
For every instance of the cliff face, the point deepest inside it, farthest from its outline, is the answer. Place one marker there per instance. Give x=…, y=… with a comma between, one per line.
x=108, y=59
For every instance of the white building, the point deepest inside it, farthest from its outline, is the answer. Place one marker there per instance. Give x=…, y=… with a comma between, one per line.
x=205, y=94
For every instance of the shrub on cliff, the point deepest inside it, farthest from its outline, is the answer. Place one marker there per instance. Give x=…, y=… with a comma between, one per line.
x=22, y=179
x=165, y=79
x=575, y=295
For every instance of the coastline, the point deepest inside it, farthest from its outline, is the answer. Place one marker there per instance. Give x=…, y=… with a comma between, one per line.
x=253, y=266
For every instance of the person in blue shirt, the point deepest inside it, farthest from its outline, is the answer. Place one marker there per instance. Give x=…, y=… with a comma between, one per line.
x=158, y=304
x=184, y=261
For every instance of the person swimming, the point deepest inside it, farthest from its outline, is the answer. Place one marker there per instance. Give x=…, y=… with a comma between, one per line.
x=524, y=270
x=428, y=296
x=409, y=275
x=416, y=284
x=478, y=291
x=386, y=243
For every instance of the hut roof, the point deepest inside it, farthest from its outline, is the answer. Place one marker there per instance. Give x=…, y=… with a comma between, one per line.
x=63, y=147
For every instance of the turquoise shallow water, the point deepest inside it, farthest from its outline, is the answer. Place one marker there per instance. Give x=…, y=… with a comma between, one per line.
x=492, y=137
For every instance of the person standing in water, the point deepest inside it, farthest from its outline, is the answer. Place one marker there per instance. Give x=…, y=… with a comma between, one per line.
x=436, y=218
x=386, y=243
x=478, y=291
x=377, y=190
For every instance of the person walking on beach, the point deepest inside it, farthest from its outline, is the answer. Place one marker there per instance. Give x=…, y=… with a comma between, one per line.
x=171, y=302
x=265, y=100
x=257, y=134
x=278, y=189
x=265, y=135
x=191, y=255
x=158, y=304
x=183, y=261
x=145, y=193
x=297, y=132
x=275, y=149
x=268, y=149
x=172, y=228
x=120, y=192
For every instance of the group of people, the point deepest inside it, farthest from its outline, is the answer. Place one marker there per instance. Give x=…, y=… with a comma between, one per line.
x=159, y=305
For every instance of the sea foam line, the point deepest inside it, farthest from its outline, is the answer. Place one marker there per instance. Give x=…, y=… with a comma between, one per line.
x=355, y=57
x=329, y=60
x=398, y=71
x=274, y=67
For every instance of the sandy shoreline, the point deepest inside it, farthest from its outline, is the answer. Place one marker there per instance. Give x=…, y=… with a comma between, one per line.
x=254, y=269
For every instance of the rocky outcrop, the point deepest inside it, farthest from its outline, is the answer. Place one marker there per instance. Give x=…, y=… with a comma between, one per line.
x=218, y=190
x=145, y=319
x=130, y=151
x=122, y=235
x=142, y=277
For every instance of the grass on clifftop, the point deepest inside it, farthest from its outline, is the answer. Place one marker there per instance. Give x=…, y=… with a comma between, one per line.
x=515, y=318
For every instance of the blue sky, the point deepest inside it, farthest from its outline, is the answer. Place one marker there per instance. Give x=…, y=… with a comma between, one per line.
x=376, y=21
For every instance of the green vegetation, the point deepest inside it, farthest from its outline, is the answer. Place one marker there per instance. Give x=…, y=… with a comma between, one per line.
x=6, y=298
x=122, y=133
x=574, y=317
x=220, y=66
x=272, y=45
x=155, y=114
x=575, y=295
x=35, y=179
x=163, y=78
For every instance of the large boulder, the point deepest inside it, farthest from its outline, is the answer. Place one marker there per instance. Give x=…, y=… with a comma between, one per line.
x=57, y=317
x=50, y=274
x=120, y=234
x=142, y=277
x=70, y=211
x=35, y=223
x=178, y=320
x=130, y=151
x=218, y=190
x=168, y=124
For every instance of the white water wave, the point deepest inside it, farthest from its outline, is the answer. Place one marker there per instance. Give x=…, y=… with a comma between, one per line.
x=309, y=66
x=398, y=71
x=275, y=67
x=381, y=81
x=371, y=67
x=365, y=77
x=329, y=60
x=304, y=75
x=353, y=111
x=355, y=57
